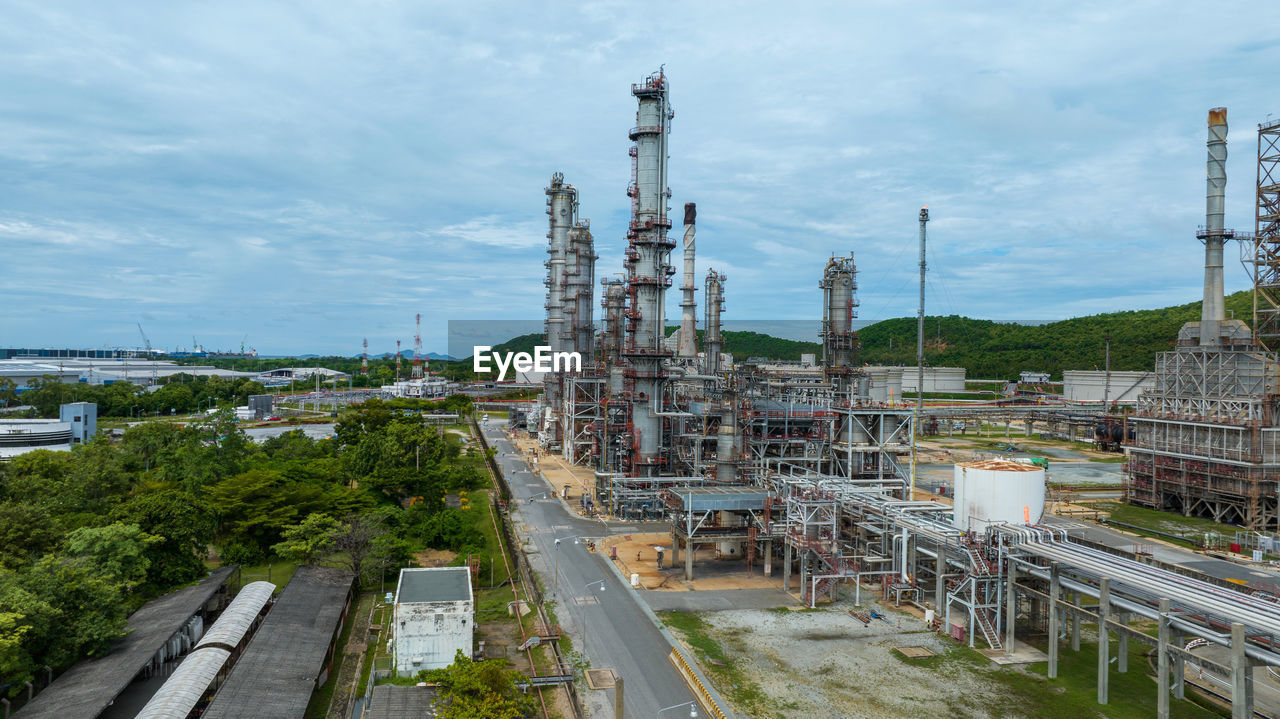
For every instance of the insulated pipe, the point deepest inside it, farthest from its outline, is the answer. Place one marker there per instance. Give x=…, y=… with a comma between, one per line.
x=1148, y=612
x=1213, y=311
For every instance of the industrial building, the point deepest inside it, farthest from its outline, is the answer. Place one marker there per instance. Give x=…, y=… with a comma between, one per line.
x=1207, y=434
x=808, y=470
x=434, y=618
x=106, y=370
x=77, y=423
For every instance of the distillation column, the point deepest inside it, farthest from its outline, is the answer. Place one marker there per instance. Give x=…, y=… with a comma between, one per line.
x=1213, y=312
x=562, y=202
x=839, y=340
x=712, y=339
x=581, y=297
x=648, y=270
x=688, y=340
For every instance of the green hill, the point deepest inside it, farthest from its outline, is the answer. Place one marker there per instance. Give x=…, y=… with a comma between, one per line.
x=986, y=349
x=994, y=350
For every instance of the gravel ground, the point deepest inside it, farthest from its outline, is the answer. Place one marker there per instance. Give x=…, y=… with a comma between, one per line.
x=828, y=664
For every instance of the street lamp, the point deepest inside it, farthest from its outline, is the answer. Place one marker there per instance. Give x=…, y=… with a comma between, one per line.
x=556, y=592
x=693, y=710
x=585, y=592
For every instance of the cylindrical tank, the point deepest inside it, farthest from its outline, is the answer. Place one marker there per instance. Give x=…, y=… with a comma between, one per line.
x=733, y=548
x=993, y=491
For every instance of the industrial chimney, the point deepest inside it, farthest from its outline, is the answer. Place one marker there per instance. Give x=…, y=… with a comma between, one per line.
x=1213, y=313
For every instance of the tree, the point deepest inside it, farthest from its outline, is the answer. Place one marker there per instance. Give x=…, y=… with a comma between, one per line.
x=8, y=390
x=186, y=527
x=26, y=533
x=358, y=544
x=75, y=610
x=310, y=540
x=479, y=690
x=117, y=551
x=257, y=505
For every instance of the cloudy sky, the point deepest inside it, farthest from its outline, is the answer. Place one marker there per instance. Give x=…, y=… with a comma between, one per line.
x=302, y=175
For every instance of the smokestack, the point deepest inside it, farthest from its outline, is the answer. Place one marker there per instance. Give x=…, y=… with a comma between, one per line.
x=688, y=340
x=1213, y=312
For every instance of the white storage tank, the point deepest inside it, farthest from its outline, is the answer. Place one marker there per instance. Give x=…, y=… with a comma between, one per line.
x=991, y=491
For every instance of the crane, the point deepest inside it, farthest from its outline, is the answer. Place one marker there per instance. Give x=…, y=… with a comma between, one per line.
x=146, y=341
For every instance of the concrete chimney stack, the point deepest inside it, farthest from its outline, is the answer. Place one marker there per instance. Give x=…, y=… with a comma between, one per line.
x=1213, y=312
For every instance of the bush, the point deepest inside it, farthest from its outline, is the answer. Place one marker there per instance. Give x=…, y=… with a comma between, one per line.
x=243, y=553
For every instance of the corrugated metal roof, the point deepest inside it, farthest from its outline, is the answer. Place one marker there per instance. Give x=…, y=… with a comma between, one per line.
x=235, y=620
x=435, y=584
x=393, y=702
x=87, y=688
x=188, y=683
x=276, y=675
x=184, y=688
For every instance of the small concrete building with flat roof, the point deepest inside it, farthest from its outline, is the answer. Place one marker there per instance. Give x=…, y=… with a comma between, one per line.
x=433, y=618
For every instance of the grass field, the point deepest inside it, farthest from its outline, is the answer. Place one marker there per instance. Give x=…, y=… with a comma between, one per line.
x=1030, y=693
x=1168, y=522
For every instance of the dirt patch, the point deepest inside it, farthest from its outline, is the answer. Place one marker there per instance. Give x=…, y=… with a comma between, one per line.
x=636, y=555
x=826, y=663
x=434, y=557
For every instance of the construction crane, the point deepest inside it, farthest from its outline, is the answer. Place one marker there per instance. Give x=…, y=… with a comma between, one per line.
x=146, y=341
x=397, y=360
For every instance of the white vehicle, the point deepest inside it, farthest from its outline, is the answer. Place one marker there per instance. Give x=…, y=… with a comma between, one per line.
x=485, y=419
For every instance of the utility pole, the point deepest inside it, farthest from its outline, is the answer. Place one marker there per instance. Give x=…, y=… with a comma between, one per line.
x=1106, y=389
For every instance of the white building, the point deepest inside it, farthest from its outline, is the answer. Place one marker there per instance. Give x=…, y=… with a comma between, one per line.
x=19, y=436
x=1094, y=385
x=434, y=618
x=429, y=388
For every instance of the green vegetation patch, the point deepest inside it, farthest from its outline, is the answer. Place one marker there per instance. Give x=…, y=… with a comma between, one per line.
x=724, y=669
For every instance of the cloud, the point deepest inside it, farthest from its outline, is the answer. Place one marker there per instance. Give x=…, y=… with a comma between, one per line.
x=313, y=174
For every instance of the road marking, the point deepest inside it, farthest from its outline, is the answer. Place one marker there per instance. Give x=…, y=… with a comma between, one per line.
x=584, y=601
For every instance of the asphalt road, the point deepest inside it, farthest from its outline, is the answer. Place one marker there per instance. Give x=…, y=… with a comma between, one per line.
x=592, y=600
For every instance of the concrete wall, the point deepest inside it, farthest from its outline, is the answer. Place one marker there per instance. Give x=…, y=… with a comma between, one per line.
x=1091, y=385
x=432, y=633
x=83, y=417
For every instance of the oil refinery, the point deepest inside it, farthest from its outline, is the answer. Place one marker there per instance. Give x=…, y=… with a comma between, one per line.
x=808, y=471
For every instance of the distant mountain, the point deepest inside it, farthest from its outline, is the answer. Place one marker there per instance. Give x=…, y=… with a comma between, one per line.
x=986, y=349
x=408, y=354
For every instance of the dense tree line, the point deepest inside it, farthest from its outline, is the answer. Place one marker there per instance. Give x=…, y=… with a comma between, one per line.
x=87, y=536
x=177, y=394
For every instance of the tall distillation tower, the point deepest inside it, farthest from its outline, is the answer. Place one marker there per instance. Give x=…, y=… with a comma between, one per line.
x=839, y=339
x=713, y=341
x=648, y=270
x=562, y=202
x=688, y=342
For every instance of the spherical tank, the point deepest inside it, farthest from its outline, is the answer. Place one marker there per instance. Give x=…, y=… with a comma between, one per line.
x=993, y=491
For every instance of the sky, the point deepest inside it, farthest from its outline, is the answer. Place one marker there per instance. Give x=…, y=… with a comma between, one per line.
x=299, y=176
